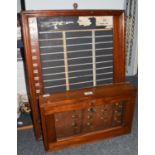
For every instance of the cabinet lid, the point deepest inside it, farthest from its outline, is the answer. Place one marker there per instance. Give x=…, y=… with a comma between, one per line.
x=119, y=89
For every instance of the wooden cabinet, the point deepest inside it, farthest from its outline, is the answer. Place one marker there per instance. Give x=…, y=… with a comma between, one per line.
x=67, y=50
x=75, y=63
x=74, y=118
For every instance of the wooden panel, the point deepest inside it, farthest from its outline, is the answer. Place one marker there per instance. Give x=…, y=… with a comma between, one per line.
x=103, y=117
x=51, y=130
x=37, y=71
x=30, y=77
x=68, y=123
x=119, y=48
x=46, y=13
x=88, y=120
x=76, y=52
x=111, y=92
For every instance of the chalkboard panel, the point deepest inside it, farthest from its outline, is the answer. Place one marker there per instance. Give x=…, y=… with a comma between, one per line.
x=76, y=52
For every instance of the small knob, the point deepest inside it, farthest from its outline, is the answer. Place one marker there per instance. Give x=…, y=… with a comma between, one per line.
x=75, y=6
x=74, y=116
x=101, y=118
x=117, y=112
x=89, y=116
x=74, y=124
x=92, y=109
x=117, y=104
x=89, y=124
x=120, y=106
x=105, y=109
x=115, y=119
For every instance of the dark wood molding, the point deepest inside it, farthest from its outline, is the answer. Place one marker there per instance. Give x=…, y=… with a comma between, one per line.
x=42, y=13
x=30, y=78
x=119, y=48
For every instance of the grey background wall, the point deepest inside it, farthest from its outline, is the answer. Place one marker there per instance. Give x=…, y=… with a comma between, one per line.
x=18, y=6
x=68, y=4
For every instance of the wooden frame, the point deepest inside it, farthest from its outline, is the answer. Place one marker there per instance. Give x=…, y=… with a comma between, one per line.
x=119, y=51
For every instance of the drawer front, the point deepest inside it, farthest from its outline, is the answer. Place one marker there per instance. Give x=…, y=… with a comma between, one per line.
x=94, y=118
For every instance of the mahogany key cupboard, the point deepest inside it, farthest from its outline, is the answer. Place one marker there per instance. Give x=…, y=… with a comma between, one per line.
x=86, y=115
x=67, y=52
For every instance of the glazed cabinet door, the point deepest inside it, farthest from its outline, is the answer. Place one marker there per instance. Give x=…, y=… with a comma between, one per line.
x=96, y=117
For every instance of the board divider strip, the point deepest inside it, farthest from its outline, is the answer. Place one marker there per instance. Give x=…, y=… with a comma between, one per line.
x=71, y=45
x=93, y=58
x=65, y=60
x=68, y=65
x=50, y=39
x=81, y=37
x=84, y=50
x=105, y=55
x=74, y=77
x=45, y=61
x=77, y=71
x=83, y=30
x=100, y=36
x=90, y=81
x=69, y=72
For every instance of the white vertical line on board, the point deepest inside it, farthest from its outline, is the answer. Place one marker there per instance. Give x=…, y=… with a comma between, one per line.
x=65, y=60
x=94, y=57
